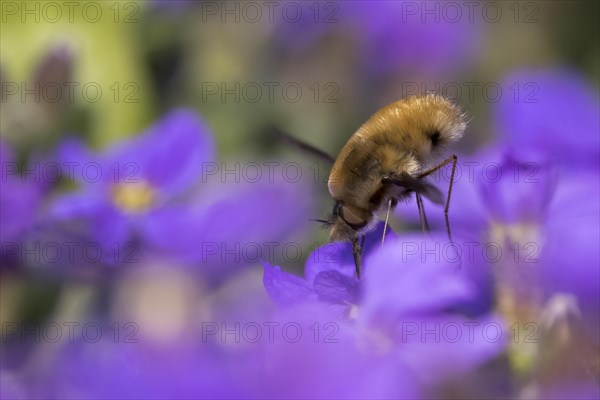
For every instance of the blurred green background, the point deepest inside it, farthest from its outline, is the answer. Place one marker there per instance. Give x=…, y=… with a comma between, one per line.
x=171, y=53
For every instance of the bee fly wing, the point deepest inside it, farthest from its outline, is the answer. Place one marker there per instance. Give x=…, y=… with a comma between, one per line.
x=305, y=147
x=418, y=186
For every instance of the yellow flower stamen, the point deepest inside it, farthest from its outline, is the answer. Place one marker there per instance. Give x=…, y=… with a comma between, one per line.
x=133, y=197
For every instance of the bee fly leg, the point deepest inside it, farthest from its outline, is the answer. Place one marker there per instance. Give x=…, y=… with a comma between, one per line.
x=357, y=252
x=422, y=216
x=452, y=159
x=391, y=204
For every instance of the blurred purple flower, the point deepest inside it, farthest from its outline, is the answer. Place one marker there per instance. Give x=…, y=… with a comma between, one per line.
x=544, y=219
x=417, y=37
x=239, y=223
x=159, y=190
x=331, y=359
x=230, y=366
x=569, y=256
x=381, y=337
x=20, y=199
x=11, y=386
x=553, y=116
x=115, y=370
x=534, y=195
x=131, y=183
x=521, y=193
x=329, y=274
x=389, y=35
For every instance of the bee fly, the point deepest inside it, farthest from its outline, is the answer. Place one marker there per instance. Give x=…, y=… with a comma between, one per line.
x=385, y=161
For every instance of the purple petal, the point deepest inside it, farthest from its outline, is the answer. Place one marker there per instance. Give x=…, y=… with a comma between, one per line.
x=170, y=155
x=19, y=199
x=330, y=257
x=284, y=288
x=391, y=37
x=173, y=228
x=106, y=226
x=332, y=286
x=76, y=205
x=521, y=194
x=543, y=120
x=327, y=363
x=413, y=274
x=108, y=369
x=569, y=256
x=442, y=348
x=338, y=256
x=250, y=216
x=18, y=205
x=110, y=228
x=12, y=387
x=73, y=153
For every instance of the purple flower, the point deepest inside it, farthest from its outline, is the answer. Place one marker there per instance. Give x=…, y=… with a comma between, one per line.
x=329, y=274
x=382, y=336
x=127, y=187
x=553, y=140
x=521, y=194
x=394, y=34
x=110, y=370
x=330, y=359
x=11, y=387
x=533, y=197
x=569, y=256
x=387, y=35
x=554, y=116
x=20, y=199
x=163, y=191
x=232, y=224
x=543, y=220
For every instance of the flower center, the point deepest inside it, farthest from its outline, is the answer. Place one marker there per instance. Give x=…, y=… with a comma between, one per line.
x=375, y=341
x=133, y=197
x=522, y=232
x=518, y=294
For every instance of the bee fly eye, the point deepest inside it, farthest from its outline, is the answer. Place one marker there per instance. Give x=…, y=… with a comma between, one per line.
x=350, y=218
